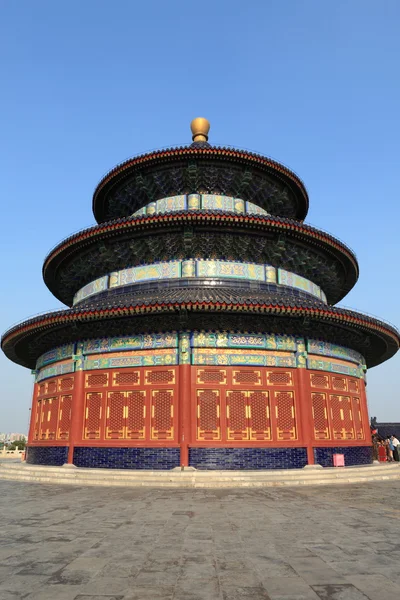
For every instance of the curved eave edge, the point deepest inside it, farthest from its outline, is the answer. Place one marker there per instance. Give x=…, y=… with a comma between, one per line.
x=60, y=318
x=159, y=156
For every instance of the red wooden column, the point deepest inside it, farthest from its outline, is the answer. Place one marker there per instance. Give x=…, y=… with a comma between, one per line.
x=306, y=418
x=78, y=406
x=184, y=397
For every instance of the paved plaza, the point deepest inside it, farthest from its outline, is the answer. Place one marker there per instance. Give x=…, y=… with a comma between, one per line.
x=328, y=543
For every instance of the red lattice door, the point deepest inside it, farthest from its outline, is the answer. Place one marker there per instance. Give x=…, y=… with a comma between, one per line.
x=64, y=419
x=93, y=413
x=347, y=416
x=237, y=415
x=259, y=415
x=285, y=416
x=136, y=415
x=208, y=415
x=162, y=415
x=337, y=422
x=357, y=418
x=38, y=420
x=52, y=418
x=115, y=418
x=320, y=416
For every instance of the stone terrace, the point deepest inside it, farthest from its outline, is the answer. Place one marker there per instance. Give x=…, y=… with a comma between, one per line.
x=328, y=543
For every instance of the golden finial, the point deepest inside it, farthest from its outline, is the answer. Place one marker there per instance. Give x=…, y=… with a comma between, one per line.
x=200, y=128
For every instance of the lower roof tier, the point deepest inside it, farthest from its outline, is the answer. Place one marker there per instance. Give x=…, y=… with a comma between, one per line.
x=198, y=308
x=134, y=241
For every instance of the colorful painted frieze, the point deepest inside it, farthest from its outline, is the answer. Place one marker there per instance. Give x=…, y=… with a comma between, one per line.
x=214, y=356
x=60, y=353
x=184, y=348
x=328, y=349
x=202, y=339
x=164, y=270
x=136, y=359
x=236, y=270
x=216, y=202
x=197, y=268
x=136, y=342
x=334, y=367
x=59, y=369
x=95, y=287
x=298, y=282
x=253, y=209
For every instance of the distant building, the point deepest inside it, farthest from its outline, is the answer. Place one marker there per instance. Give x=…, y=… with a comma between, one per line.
x=386, y=429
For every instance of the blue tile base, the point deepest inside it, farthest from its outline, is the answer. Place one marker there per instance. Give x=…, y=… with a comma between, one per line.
x=353, y=455
x=54, y=456
x=127, y=458
x=247, y=458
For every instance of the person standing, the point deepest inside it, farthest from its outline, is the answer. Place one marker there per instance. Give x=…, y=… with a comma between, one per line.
x=395, y=443
x=390, y=448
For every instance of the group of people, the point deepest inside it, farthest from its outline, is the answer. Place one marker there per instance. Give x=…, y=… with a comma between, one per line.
x=388, y=449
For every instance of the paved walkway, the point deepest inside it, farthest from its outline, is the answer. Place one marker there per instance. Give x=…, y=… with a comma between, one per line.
x=67, y=543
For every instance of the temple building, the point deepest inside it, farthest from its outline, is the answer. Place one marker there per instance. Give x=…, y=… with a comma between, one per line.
x=201, y=327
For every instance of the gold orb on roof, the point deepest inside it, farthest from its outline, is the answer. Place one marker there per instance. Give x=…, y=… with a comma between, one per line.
x=200, y=128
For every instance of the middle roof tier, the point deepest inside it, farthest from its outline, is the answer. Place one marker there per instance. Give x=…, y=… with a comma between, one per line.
x=202, y=234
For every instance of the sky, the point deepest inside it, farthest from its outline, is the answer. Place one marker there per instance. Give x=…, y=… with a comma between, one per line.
x=86, y=84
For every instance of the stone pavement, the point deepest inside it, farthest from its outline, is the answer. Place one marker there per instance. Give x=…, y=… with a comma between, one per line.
x=74, y=543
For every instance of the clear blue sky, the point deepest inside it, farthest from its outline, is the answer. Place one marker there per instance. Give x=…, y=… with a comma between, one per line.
x=86, y=84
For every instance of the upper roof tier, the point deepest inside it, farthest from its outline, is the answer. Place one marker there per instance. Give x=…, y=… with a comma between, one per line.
x=200, y=168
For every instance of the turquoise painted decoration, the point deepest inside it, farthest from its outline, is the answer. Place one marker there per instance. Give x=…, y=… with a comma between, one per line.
x=60, y=353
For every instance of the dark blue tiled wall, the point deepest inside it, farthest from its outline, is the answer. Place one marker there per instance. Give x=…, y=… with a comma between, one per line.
x=127, y=458
x=247, y=458
x=47, y=455
x=353, y=455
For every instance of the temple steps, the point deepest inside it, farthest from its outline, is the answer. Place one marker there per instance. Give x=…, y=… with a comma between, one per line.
x=197, y=479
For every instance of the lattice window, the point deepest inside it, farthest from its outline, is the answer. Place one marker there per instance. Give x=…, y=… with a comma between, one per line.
x=45, y=416
x=353, y=386
x=65, y=384
x=64, y=419
x=42, y=389
x=285, y=416
x=259, y=416
x=318, y=380
x=38, y=419
x=96, y=380
x=342, y=418
x=246, y=377
x=162, y=412
x=126, y=378
x=357, y=418
x=278, y=378
x=339, y=383
x=208, y=415
x=337, y=422
x=136, y=415
x=320, y=416
x=51, y=386
x=115, y=419
x=347, y=417
x=52, y=418
x=167, y=376
x=237, y=415
x=93, y=413
x=211, y=376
